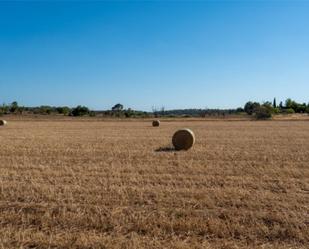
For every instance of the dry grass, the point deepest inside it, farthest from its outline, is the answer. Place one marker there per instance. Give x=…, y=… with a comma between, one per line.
x=75, y=184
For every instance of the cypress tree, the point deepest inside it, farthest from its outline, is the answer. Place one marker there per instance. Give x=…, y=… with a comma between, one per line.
x=275, y=103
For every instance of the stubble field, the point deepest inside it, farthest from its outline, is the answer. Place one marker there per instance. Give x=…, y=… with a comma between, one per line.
x=115, y=184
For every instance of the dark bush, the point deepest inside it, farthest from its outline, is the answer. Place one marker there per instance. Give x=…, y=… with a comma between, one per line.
x=250, y=107
x=45, y=109
x=239, y=110
x=262, y=113
x=80, y=111
x=13, y=107
x=63, y=110
x=288, y=111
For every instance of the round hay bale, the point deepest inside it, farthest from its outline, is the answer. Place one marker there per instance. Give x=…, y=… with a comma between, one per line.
x=3, y=122
x=156, y=123
x=183, y=139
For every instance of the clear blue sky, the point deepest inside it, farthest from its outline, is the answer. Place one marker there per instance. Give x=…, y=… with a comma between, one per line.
x=143, y=54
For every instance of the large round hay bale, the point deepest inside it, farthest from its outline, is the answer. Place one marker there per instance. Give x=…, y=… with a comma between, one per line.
x=3, y=122
x=156, y=123
x=183, y=139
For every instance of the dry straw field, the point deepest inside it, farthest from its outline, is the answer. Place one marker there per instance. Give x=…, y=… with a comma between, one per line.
x=116, y=184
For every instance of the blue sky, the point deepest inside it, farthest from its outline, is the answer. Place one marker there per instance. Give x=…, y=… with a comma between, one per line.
x=211, y=54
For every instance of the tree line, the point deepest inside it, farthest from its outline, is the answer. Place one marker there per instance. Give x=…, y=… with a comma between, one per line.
x=116, y=111
x=263, y=110
x=267, y=109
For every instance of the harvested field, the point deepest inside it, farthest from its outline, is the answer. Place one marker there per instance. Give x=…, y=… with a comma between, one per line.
x=96, y=184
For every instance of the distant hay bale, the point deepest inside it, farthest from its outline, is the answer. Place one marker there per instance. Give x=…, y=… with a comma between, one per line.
x=156, y=123
x=3, y=122
x=183, y=139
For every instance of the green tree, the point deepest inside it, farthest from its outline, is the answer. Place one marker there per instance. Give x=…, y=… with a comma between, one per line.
x=250, y=107
x=301, y=108
x=275, y=103
x=63, y=110
x=117, y=107
x=129, y=113
x=263, y=112
x=240, y=110
x=297, y=107
x=288, y=111
x=80, y=111
x=45, y=109
x=288, y=103
x=14, y=107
